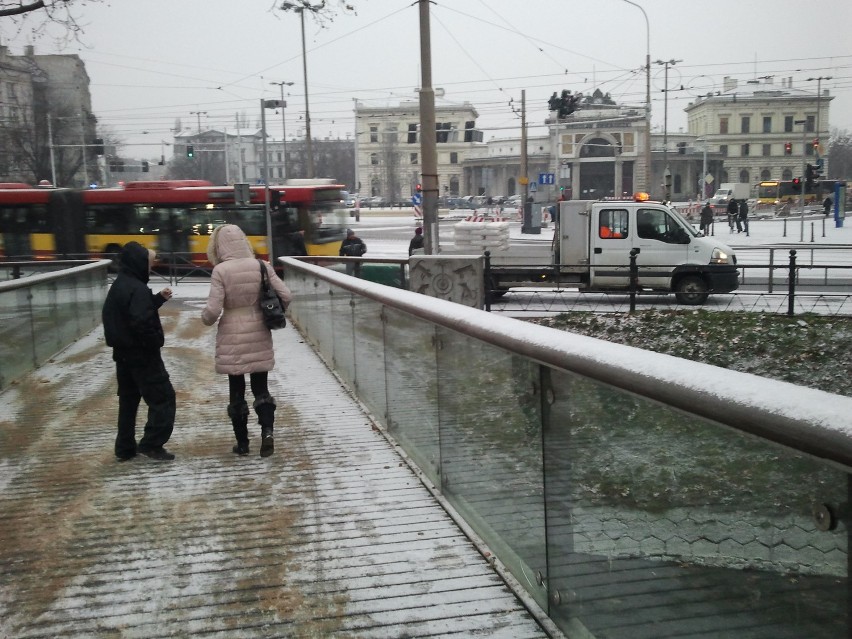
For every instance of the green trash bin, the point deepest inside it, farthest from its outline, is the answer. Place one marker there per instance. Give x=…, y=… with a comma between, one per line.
x=387, y=274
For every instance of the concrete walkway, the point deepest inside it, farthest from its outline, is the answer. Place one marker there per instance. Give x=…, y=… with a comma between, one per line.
x=333, y=536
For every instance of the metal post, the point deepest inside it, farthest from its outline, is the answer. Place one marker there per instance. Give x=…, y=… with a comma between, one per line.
x=428, y=142
x=487, y=280
x=634, y=278
x=266, y=183
x=308, y=143
x=791, y=283
x=802, y=182
x=52, y=156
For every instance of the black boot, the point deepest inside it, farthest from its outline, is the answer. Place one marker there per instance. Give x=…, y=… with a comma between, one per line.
x=238, y=412
x=264, y=406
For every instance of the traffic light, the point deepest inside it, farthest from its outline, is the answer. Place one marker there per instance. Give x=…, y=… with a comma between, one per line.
x=99, y=146
x=190, y=151
x=796, y=185
x=809, y=176
x=816, y=145
x=788, y=148
x=144, y=166
x=419, y=188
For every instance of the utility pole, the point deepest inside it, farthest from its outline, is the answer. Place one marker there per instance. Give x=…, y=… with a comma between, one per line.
x=284, y=123
x=428, y=142
x=198, y=115
x=804, y=124
x=667, y=174
x=527, y=226
x=52, y=157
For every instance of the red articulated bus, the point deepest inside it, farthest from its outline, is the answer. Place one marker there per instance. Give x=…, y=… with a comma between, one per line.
x=174, y=216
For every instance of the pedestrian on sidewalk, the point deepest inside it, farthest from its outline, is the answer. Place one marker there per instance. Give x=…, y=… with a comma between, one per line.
x=243, y=342
x=706, y=218
x=742, y=217
x=352, y=246
x=733, y=212
x=416, y=241
x=132, y=328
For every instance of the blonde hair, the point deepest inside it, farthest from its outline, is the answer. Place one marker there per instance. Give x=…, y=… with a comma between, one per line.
x=152, y=257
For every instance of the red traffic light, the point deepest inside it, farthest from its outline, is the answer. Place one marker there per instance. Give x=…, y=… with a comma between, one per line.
x=788, y=148
x=796, y=184
x=419, y=188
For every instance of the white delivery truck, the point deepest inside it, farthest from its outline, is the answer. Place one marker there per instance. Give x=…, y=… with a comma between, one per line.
x=592, y=245
x=730, y=191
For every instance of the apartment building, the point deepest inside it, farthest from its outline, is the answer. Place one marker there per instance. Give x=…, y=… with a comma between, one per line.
x=762, y=130
x=387, y=149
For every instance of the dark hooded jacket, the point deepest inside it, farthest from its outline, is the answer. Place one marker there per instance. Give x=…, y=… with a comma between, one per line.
x=131, y=322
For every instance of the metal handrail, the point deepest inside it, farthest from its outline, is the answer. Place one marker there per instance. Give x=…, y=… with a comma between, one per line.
x=804, y=419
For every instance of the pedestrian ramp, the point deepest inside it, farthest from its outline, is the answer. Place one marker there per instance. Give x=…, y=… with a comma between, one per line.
x=332, y=536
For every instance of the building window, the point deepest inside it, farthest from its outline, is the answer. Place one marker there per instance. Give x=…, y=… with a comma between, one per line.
x=723, y=125
x=745, y=124
x=413, y=158
x=374, y=134
x=412, y=133
x=723, y=149
x=767, y=124
x=788, y=124
x=810, y=125
x=809, y=149
x=766, y=174
x=443, y=131
x=767, y=149
x=744, y=177
x=454, y=158
x=744, y=150
x=374, y=159
x=787, y=174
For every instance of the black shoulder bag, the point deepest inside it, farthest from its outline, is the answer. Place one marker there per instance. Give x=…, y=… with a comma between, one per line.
x=272, y=306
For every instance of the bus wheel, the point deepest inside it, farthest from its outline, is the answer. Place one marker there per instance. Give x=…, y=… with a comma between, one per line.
x=691, y=290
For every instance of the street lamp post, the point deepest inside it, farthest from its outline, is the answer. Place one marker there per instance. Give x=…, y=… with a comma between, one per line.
x=667, y=174
x=284, y=123
x=647, y=96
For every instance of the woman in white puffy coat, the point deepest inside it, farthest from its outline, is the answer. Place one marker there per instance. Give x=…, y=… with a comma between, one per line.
x=243, y=343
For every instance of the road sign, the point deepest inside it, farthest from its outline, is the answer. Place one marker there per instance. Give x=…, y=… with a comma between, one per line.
x=533, y=187
x=417, y=199
x=524, y=180
x=546, y=178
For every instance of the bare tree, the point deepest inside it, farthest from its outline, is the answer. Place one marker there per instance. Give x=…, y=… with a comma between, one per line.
x=39, y=16
x=840, y=155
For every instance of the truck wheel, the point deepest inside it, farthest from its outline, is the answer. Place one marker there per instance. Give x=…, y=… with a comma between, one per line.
x=691, y=290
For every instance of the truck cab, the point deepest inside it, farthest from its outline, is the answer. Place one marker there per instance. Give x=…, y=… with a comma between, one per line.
x=596, y=239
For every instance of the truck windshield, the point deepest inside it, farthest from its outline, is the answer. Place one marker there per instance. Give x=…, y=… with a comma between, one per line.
x=683, y=222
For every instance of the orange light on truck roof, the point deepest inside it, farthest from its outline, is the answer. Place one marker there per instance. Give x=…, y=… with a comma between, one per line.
x=641, y=196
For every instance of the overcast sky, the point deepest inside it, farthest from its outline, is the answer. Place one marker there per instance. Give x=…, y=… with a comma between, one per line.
x=154, y=62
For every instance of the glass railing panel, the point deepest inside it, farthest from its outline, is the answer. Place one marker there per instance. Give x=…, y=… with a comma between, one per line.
x=342, y=324
x=665, y=525
x=491, y=450
x=45, y=321
x=370, y=371
x=67, y=314
x=412, y=381
x=322, y=328
x=17, y=348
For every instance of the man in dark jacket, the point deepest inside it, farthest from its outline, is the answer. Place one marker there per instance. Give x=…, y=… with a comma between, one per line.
x=132, y=328
x=706, y=218
x=733, y=212
x=742, y=217
x=352, y=246
x=416, y=241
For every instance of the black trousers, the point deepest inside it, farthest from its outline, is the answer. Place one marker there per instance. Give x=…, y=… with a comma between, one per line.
x=149, y=381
